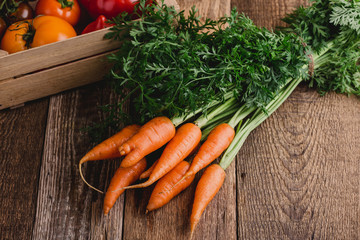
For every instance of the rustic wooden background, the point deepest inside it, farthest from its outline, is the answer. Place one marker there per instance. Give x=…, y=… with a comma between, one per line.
x=296, y=177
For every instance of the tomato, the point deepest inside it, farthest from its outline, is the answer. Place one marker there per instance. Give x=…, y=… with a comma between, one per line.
x=69, y=10
x=99, y=23
x=109, y=8
x=22, y=12
x=2, y=27
x=34, y=33
x=12, y=40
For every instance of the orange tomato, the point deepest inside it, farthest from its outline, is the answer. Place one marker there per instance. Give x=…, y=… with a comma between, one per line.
x=69, y=10
x=12, y=40
x=36, y=32
x=51, y=29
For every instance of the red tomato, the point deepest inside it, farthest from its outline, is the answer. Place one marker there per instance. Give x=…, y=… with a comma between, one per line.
x=109, y=8
x=69, y=10
x=34, y=33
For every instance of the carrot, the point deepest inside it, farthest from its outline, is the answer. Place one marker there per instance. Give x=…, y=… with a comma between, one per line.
x=218, y=140
x=123, y=177
x=108, y=148
x=152, y=136
x=164, y=190
x=147, y=173
x=186, y=139
x=206, y=189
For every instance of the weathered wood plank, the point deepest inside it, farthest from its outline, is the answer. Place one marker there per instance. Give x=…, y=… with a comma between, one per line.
x=172, y=220
x=298, y=173
x=54, y=54
x=66, y=208
x=21, y=142
x=3, y=53
x=267, y=13
x=54, y=80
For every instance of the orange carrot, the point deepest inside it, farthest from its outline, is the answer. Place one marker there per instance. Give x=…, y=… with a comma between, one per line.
x=148, y=172
x=152, y=136
x=108, y=148
x=122, y=178
x=186, y=139
x=218, y=140
x=164, y=190
x=206, y=189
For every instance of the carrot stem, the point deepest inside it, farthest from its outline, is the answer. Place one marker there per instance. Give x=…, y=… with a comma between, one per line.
x=211, y=125
x=258, y=117
x=186, y=116
x=208, y=129
x=204, y=119
x=241, y=114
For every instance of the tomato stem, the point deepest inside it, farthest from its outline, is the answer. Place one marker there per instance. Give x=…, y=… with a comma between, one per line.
x=28, y=37
x=66, y=3
x=8, y=6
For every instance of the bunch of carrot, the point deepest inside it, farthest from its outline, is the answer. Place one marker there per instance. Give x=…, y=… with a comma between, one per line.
x=171, y=172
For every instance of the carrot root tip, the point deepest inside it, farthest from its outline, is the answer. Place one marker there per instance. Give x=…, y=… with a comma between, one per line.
x=192, y=228
x=191, y=235
x=142, y=178
x=141, y=185
x=89, y=185
x=186, y=176
x=106, y=211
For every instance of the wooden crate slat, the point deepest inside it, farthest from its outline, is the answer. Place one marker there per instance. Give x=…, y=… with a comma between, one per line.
x=54, y=54
x=52, y=81
x=3, y=53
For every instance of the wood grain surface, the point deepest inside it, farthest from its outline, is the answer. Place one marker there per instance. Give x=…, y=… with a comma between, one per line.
x=296, y=177
x=21, y=144
x=298, y=173
x=66, y=207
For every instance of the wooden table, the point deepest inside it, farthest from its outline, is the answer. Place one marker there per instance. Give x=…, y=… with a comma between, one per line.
x=296, y=177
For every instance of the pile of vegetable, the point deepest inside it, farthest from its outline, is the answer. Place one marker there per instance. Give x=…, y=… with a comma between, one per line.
x=22, y=27
x=211, y=83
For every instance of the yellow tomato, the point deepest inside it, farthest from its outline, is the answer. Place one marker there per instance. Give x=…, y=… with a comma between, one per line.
x=36, y=32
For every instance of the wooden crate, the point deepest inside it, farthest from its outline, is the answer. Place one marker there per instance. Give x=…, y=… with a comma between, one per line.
x=56, y=67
